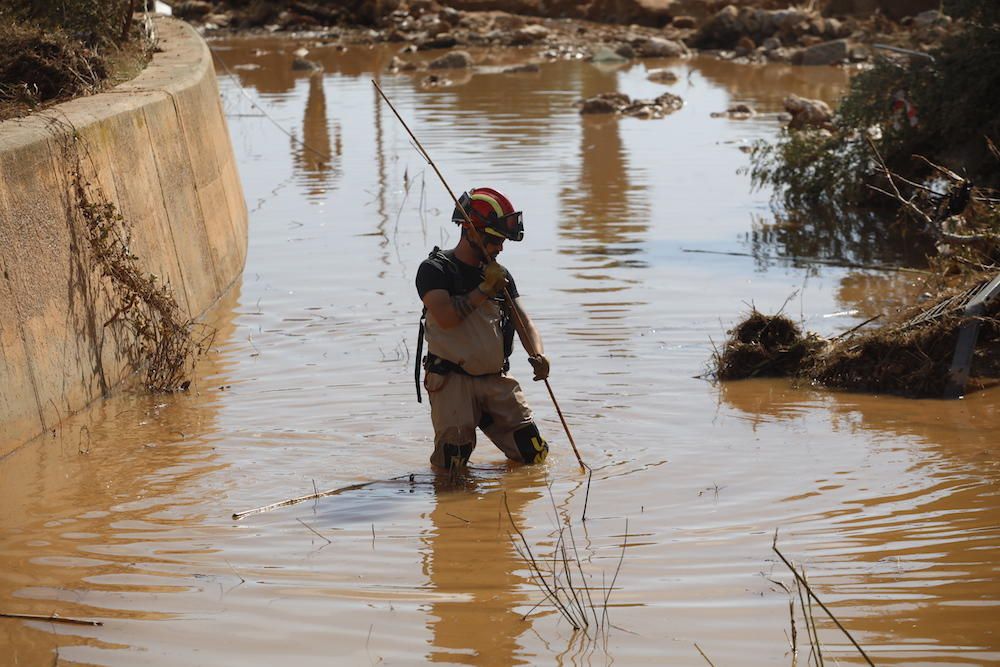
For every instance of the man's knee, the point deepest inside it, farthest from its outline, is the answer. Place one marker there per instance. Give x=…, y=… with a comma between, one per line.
x=530, y=443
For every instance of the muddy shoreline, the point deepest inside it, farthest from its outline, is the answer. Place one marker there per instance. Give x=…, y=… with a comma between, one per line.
x=744, y=32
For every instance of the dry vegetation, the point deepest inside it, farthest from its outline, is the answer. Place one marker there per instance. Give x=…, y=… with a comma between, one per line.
x=51, y=52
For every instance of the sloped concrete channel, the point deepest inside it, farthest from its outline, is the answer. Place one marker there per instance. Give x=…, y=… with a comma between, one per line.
x=159, y=149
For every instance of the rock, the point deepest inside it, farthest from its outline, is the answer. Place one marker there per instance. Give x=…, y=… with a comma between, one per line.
x=930, y=18
x=191, y=9
x=664, y=76
x=443, y=41
x=860, y=53
x=436, y=81
x=529, y=35
x=669, y=102
x=745, y=46
x=826, y=53
x=625, y=51
x=603, y=54
x=684, y=22
x=219, y=20
x=397, y=64
x=807, y=113
x=736, y=112
x=599, y=105
x=771, y=44
x=303, y=65
x=526, y=68
x=450, y=15
x=453, y=60
x=657, y=47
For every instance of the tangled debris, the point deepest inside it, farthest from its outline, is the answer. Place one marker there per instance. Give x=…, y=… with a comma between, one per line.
x=764, y=346
x=912, y=357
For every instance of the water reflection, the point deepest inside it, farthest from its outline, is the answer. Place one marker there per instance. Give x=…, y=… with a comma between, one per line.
x=861, y=237
x=603, y=214
x=768, y=85
x=316, y=157
x=473, y=568
x=917, y=548
x=91, y=513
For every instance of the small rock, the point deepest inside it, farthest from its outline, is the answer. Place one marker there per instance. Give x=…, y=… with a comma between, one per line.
x=736, y=112
x=807, y=113
x=827, y=53
x=443, y=41
x=625, y=51
x=744, y=46
x=303, y=65
x=931, y=17
x=218, y=20
x=604, y=103
x=771, y=44
x=526, y=68
x=453, y=60
x=436, y=81
x=192, y=9
x=657, y=47
x=860, y=53
x=684, y=22
x=604, y=54
x=669, y=102
x=529, y=35
x=598, y=105
x=664, y=76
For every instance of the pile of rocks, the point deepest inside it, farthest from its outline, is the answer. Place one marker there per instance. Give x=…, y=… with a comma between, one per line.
x=622, y=104
x=745, y=30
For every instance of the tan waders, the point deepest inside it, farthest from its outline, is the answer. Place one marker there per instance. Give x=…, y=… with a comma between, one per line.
x=466, y=381
x=460, y=403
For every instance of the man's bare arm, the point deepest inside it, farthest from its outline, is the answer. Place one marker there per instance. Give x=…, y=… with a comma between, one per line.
x=449, y=311
x=531, y=340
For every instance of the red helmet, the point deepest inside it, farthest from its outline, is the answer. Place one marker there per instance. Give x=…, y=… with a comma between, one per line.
x=491, y=213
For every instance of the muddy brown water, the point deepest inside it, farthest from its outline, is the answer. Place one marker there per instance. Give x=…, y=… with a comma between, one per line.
x=123, y=514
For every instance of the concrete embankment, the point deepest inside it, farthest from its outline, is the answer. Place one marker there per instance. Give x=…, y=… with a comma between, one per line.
x=158, y=149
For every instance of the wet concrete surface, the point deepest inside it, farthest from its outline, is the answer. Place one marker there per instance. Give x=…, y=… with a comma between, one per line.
x=124, y=513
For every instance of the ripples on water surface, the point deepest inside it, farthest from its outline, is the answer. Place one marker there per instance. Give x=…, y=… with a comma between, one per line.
x=123, y=514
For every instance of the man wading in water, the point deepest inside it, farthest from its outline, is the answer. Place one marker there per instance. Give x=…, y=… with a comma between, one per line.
x=470, y=336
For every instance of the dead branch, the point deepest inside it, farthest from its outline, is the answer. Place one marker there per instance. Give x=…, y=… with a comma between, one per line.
x=53, y=618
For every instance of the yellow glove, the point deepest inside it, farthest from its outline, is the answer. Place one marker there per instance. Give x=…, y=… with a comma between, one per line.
x=494, y=279
x=540, y=363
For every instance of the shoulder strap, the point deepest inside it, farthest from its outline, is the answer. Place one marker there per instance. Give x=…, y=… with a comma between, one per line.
x=420, y=354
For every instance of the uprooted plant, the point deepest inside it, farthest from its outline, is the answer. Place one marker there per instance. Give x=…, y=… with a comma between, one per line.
x=160, y=337
x=563, y=582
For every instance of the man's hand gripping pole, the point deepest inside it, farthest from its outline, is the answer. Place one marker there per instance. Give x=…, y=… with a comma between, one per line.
x=477, y=239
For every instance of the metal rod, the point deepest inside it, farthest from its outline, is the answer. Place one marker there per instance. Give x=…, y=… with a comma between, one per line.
x=478, y=241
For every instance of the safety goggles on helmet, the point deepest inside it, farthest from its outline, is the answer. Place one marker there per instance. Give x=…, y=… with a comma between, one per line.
x=507, y=226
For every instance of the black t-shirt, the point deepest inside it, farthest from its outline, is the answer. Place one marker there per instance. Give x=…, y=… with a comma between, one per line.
x=434, y=274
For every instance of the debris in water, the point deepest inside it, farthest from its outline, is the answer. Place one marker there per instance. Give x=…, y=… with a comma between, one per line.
x=620, y=103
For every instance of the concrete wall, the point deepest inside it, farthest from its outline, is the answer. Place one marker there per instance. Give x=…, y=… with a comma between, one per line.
x=159, y=148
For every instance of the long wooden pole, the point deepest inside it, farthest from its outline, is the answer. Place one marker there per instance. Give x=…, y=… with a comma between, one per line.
x=477, y=239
